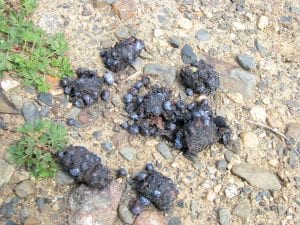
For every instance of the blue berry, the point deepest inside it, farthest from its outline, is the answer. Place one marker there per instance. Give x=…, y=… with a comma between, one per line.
x=189, y=92
x=105, y=95
x=134, y=116
x=121, y=172
x=157, y=193
x=141, y=176
x=134, y=129
x=75, y=172
x=180, y=105
x=170, y=126
x=136, y=209
x=144, y=201
x=167, y=105
x=67, y=90
x=128, y=98
x=88, y=100
x=149, y=166
x=79, y=103
x=109, y=78
x=191, y=106
x=138, y=85
x=197, y=114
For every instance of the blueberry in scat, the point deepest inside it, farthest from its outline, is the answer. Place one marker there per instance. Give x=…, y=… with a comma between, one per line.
x=105, y=95
x=170, y=126
x=79, y=103
x=121, y=172
x=144, y=201
x=189, y=92
x=67, y=90
x=146, y=80
x=65, y=82
x=136, y=208
x=149, y=166
x=134, y=129
x=167, y=105
x=109, y=78
x=191, y=106
x=128, y=98
x=141, y=176
x=134, y=91
x=138, y=85
x=180, y=105
x=157, y=193
x=75, y=172
x=134, y=116
x=88, y=100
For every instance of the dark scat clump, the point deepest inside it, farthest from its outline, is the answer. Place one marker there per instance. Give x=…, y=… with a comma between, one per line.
x=122, y=54
x=200, y=77
x=85, y=90
x=159, y=189
x=190, y=127
x=85, y=166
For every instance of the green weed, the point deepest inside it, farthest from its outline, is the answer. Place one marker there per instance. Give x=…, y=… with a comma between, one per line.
x=26, y=51
x=34, y=150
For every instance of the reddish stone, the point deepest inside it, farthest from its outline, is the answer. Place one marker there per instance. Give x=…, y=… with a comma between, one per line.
x=151, y=218
x=84, y=118
x=125, y=9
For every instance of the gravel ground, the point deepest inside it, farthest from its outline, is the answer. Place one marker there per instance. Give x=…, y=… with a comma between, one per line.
x=255, y=180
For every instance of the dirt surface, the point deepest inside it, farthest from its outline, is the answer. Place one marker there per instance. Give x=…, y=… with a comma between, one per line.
x=260, y=122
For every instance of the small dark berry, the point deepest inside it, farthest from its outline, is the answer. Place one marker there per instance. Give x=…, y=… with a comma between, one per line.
x=109, y=78
x=134, y=91
x=128, y=98
x=167, y=105
x=141, y=176
x=74, y=172
x=121, y=172
x=136, y=209
x=144, y=201
x=149, y=166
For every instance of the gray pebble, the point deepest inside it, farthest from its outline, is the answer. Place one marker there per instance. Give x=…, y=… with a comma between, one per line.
x=297, y=180
x=97, y=135
x=224, y=216
x=46, y=98
x=246, y=61
x=73, y=113
x=17, y=100
x=187, y=54
x=203, y=35
x=259, y=46
x=25, y=189
x=164, y=150
x=175, y=42
x=221, y=164
x=166, y=74
x=174, y=221
x=41, y=202
x=125, y=214
x=8, y=210
x=63, y=178
x=107, y=146
x=128, y=153
x=242, y=210
x=228, y=155
x=122, y=33
x=45, y=110
x=30, y=111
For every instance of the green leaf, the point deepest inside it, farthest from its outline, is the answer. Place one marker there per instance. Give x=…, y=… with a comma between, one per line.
x=28, y=5
x=58, y=44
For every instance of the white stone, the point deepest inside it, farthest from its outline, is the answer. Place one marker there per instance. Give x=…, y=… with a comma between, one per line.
x=9, y=84
x=262, y=22
x=239, y=26
x=258, y=113
x=211, y=196
x=185, y=23
x=231, y=191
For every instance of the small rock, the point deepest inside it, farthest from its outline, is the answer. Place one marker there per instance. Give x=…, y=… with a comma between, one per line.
x=239, y=81
x=242, y=210
x=259, y=46
x=166, y=74
x=32, y=221
x=228, y=155
x=262, y=22
x=122, y=33
x=10, y=222
x=86, y=205
x=9, y=84
x=293, y=131
x=138, y=64
x=297, y=180
x=246, y=61
x=119, y=138
x=231, y=191
x=185, y=23
x=8, y=210
x=125, y=214
x=295, y=9
x=25, y=189
x=221, y=164
x=41, y=202
x=73, y=113
x=125, y=9
x=150, y=218
x=18, y=101
x=63, y=178
x=46, y=98
x=45, y=110
x=224, y=216
x=107, y=146
x=175, y=42
x=18, y=176
x=187, y=54
x=203, y=35
x=6, y=172
x=257, y=177
x=258, y=113
x=146, y=55
x=97, y=135
x=250, y=140
x=211, y=196
x=174, y=221
x=128, y=153
x=164, y=150
x=30, y=111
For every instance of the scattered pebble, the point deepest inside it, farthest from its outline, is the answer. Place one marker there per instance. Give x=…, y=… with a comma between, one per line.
x=262, y=22
x=242, y=210
x=63, y=178
x=185, y=23
x=150, y=218
x=6, y=172
x=221, y=164
x=250, y=140
x=175, y=221
x=128, y=153
x=164, y=150
x=46, y=98
x=125, y=214
x=107, y=146
x=224, y=216
x=231, y=191
x=30, y=111
x=166, y=74
x=246, y=61
x=187, y=54
x=203, y=35
x=175, y=42
x=9, y=84
x=25, y=188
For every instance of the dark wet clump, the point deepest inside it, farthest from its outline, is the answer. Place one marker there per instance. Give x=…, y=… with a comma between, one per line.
x=157, y=188
x=122, y=54
x=191, y=127
x=85, y=90
x=200, y=77
x=85, y=166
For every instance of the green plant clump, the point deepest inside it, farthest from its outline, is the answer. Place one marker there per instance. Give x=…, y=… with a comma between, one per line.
x=26, y=51
x=35, y=149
